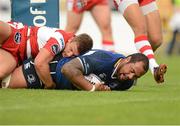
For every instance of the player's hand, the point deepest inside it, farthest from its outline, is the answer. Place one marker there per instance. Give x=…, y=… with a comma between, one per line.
x=50, y=86
x=102, y=87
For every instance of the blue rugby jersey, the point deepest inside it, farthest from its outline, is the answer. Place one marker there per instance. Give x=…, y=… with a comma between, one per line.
x=99, y=62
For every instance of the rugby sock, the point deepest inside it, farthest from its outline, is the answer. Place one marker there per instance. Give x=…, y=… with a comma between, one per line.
x=142, y=45
x=108, y=45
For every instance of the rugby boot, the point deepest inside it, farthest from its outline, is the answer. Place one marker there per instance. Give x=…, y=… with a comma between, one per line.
x=159, y=73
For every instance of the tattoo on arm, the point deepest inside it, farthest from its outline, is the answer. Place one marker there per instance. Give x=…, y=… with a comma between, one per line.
x=72, y=69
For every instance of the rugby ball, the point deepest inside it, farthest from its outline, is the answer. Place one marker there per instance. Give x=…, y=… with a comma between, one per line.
x=93, y=79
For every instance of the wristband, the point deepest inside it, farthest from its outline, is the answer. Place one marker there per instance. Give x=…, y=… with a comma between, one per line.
x=93, y=88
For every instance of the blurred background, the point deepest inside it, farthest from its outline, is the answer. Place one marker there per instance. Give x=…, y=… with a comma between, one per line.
x=122, y=33
x=147, y=103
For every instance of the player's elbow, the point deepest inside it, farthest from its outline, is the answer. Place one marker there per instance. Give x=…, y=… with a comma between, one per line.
x=65, y=69
x=69, y=71
x=38, y=64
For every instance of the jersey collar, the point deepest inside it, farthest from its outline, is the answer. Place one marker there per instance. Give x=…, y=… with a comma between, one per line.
x=115, y=69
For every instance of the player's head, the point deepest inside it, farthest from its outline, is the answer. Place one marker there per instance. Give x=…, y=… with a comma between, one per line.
x=132, y=67
x=78, y=45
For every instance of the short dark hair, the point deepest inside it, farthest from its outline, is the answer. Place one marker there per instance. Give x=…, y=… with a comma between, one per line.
x=139, y=57
x=85, y=42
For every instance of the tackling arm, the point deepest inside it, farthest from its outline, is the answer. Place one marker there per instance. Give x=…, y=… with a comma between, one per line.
x=41, y=64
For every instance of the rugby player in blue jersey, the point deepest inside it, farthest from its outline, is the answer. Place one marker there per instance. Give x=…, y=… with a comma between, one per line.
x=115, y=70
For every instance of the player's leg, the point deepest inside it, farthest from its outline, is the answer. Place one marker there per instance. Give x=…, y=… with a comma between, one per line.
x=137, y=21
x=7, y=63
x=102, y=16
x=25, y=76
x=17, y=79
x=74, y=20
x=155, y=38
x=5, y=32
x=153, y=23
x=154, y=31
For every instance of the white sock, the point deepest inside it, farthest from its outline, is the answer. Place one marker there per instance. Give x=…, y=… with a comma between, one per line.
x=142, y=45
x=108, y=45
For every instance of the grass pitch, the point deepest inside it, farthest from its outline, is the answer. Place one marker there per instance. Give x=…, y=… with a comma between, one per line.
x=146, y=103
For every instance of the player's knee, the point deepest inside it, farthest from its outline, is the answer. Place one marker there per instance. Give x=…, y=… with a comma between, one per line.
x=156, y=42
x=106, y=30
x=3, y=74
x=105, y=27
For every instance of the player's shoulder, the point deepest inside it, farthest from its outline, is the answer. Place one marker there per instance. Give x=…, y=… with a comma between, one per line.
x=102, y=54
x=66, y=35
x=105, y=52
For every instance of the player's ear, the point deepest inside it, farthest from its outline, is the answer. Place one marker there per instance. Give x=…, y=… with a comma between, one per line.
x=70, y=40
x=128, y=59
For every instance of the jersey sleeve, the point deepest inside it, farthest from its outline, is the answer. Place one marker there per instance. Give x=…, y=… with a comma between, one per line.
x=93, y=62
x=56, y=43
x=88, y=62
x=99, y=62
x=66, y=35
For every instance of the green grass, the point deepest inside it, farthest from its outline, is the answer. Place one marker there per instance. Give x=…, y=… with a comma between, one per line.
x=146, y=103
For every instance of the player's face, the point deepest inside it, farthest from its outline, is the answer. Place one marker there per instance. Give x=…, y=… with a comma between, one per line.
x=71, y=49
x=130, y=71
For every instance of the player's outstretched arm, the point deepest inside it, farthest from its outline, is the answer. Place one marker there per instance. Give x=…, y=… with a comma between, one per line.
x=73, y=70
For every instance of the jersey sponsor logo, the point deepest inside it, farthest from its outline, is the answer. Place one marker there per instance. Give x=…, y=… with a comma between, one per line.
x=62, y=43
x=17, y=37
x=79, y=4
x=55, y=49
x=27, y=66
x=31, y=79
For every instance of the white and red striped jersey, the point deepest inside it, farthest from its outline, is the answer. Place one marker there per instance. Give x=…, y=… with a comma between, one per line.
x=26, y=41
